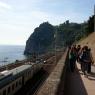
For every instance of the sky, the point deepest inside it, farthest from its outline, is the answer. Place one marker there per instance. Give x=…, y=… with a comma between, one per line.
x=19, y=18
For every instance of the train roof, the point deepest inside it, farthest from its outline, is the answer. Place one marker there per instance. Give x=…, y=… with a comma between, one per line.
x=8, y=76
x=4, y=74
x=20, y=69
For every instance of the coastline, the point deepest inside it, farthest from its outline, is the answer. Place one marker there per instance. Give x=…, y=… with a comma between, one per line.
x=11, y=53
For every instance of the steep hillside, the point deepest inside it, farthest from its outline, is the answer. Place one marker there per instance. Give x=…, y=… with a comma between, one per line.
x=46, y=36
x=40, y=39
x=90, y=41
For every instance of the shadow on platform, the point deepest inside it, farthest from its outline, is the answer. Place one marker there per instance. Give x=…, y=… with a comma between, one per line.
x=91, y=76
x=73, y=84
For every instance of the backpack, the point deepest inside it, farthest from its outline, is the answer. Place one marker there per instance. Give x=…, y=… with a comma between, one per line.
x=85, y=56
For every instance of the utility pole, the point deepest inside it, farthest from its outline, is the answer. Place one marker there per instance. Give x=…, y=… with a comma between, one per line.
x=55, y=36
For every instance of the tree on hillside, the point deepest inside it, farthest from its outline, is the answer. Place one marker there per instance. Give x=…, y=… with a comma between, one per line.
x=91, y=24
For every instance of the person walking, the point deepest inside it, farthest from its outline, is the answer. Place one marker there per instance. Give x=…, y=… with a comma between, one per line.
x=86, y=60
x=90, y=61
x=72, y=58
x=78, y=50
x=80, y=58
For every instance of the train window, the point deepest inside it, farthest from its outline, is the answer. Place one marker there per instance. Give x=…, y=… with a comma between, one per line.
x=16, y=83
x=4, y=92
x=9, y=89
x=19, y=82
x=13, y=86
x=26, y=73
x=29, y=73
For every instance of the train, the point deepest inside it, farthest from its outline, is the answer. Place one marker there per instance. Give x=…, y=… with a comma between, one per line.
x=12, y=80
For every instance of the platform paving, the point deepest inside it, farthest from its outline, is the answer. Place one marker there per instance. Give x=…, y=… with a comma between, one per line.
x=78, y=84
x=75, y=83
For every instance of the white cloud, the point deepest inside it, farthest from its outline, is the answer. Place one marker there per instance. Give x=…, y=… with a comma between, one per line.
x=4, y=7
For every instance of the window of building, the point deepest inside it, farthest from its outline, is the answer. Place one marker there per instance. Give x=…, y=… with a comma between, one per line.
x=4, y=92
x=9, y=89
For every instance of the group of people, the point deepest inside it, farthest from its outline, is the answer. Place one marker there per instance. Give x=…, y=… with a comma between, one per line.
x=80, y=55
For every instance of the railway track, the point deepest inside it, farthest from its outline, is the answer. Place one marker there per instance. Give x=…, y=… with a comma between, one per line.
x=38, y=84
x=33, y=84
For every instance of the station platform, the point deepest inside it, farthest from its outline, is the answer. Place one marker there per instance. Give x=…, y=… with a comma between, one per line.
x=78, y=84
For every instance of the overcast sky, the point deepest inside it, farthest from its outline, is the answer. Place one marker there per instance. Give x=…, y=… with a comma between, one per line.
x=18, y=18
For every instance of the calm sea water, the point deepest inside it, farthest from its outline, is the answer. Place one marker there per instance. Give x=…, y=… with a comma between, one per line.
x=9, y=54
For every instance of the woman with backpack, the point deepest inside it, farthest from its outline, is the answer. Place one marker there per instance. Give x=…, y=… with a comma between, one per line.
x=86, y=60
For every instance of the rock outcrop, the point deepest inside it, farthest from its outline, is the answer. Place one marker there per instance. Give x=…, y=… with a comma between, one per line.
x=40, y=39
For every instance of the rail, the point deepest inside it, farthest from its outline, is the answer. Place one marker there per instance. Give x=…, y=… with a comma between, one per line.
x=33, y=86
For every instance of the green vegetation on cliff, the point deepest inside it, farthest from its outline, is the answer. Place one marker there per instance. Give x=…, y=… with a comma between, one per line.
x=46, y=36
x=91, y=24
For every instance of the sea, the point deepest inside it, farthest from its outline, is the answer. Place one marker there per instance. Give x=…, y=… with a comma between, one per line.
x=11, y=53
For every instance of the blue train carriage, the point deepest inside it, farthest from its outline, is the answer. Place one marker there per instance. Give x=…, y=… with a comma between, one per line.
x=11, y=81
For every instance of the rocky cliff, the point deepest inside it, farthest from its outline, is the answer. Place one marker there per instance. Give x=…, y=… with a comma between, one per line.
x=40, y=39
x=46, y=37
